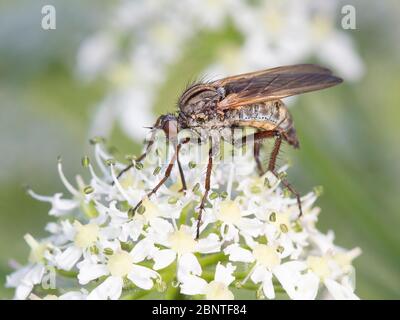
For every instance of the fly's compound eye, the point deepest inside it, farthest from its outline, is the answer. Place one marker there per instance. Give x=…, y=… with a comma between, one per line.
x=170, y=127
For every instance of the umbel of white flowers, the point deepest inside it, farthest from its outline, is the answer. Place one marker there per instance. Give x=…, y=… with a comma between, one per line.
x=251, y=237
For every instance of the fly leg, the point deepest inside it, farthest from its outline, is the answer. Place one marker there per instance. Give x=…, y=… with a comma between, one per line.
x=271, y=167
x=257, y=147
x=141, y=158
x=166, y=174
x=207, y=189
x=257, y=138
x=182, y=175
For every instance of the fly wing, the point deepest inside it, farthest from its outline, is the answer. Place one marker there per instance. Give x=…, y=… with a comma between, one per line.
x=273, y=84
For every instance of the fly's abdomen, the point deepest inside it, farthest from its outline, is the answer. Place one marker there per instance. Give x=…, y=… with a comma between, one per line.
x=266, y=116
x=269, y=116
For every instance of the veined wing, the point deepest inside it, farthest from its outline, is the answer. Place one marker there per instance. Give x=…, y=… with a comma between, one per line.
x=273, y=84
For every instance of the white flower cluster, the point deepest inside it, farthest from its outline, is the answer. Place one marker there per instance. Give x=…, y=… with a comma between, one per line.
x=141, y=40
x=251, y=238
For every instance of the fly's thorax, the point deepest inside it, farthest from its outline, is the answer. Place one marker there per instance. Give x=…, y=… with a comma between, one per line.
x=199, y=101
x=212, y=120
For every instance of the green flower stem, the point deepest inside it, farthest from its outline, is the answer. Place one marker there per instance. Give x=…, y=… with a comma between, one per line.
x=172, y=292
x=67, y=274
x=212, y=259
x=135, y=294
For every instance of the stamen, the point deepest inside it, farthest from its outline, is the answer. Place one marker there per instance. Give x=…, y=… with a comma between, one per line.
x=98, y=156
x=64, y=180
x=96, y=178
x=39, y=197
x=118, y=185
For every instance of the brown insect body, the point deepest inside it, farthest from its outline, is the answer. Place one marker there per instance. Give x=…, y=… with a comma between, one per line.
x=246, y=100
x=269, y=115
x=266, y=116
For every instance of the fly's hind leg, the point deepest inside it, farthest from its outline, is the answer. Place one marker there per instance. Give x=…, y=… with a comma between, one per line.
x=257, y=148
x=257, y=138
x=271, y=167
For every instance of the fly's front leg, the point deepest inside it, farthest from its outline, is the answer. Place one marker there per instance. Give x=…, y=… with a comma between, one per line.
x=139, y=159
x=166, y=175
x=271, y=167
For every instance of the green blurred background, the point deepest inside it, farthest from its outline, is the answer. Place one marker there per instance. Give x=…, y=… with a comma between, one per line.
x=349, y=135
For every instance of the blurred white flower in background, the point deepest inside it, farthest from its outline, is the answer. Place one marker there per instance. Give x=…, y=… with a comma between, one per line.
x=143, y=39
x=251, y=238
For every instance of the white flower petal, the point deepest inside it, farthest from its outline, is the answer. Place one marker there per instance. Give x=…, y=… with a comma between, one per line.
x=192, y=285
x=22, y=291
x=161, y=225
x=231, y=232
x=209, y=245
x=297, y=285
x=224, y=274
x=163, y=258
x=68, y=258
x=24, y=280
x=268, y=288
x=142, y=277
x=111, y=289
x=261, y=274
x=188, y=264
x=307, y=287
x=252, y=227
x=17, y=276
x=236, y=253
x=143, y=249
x=89, y=271
x=218, y=291
x=59, y=206
x=135, y=228
x=339, y=291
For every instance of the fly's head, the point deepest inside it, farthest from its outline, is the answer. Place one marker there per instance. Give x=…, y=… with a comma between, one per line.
x=169, y=124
